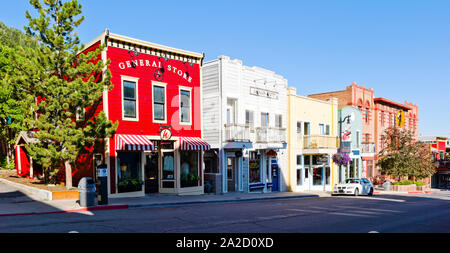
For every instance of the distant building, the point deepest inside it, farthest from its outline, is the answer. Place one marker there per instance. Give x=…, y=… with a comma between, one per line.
x=377, y=115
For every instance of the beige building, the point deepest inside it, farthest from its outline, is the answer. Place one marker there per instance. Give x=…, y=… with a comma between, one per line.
x=312, y=141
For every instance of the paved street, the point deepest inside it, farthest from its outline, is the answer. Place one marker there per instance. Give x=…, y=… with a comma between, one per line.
x=408, y=213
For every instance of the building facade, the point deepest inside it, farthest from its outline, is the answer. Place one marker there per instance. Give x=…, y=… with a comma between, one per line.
x=377, y=115
x=244, y=120
x=440, y=148
x=350, y=129
x=156, y=99
x=312, y=141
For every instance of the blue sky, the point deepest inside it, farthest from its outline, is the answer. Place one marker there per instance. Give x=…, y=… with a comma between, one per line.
x=399, y=48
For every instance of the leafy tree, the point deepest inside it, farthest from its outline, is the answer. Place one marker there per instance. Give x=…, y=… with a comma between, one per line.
x=16, y=58
x=69, y=83
x=403, y=156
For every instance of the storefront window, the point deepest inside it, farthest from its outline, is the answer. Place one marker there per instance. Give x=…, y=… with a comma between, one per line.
x=317, y=176
x=211, y=161
x=129, y=172
x=189, y=176
x=299, y=176
x=254, y=168
x=327, y=175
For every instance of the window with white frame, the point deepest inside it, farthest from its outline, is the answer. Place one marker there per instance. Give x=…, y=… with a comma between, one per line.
x=159, y=103
x=278, y=120
x=185, y=106
x=249, y=118
x=129, y=99
x=80, y=113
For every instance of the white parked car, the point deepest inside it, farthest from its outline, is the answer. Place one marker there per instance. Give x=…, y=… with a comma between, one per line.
x=354, y=186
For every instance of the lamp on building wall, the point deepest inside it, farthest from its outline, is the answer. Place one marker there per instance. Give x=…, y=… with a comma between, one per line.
x=136, y=53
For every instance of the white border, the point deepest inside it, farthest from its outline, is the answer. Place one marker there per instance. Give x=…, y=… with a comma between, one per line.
x=164, y=85
x=136, y=81
x=189, y=89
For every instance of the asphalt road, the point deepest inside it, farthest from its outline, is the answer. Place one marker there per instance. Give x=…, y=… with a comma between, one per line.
x=425, y=213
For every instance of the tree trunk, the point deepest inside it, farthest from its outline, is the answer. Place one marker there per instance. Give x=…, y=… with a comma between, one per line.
x=68, y=168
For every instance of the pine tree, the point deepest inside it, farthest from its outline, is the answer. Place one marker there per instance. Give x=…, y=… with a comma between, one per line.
x=71, y=82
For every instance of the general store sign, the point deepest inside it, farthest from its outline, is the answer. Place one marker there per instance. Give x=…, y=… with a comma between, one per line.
x=263, y=93
x=155, y=64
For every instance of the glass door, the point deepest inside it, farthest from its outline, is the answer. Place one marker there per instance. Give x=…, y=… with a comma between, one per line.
x=168, y=170
x=151, y=172
x=231, y=174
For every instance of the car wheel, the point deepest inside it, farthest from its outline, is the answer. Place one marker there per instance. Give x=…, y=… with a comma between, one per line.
x=356, y=192
x=371, y=191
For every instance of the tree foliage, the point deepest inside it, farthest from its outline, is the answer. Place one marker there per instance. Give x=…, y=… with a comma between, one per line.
x=16, y=58
x=403, y=156
x=69, y=83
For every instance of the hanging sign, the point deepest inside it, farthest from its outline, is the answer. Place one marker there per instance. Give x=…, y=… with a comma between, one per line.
x=165, y=134
x=400, y=119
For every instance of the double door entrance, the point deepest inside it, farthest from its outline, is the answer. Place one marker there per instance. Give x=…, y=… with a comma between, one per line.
x=159, y=171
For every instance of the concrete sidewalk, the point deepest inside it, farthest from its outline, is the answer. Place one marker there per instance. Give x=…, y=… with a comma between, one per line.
x=16, y=201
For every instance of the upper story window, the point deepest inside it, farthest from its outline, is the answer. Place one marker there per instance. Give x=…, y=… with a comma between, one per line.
x=129, y=98
x=299, y=127
x=264, y=119
x=80, y=113
x=279, y=120
x=324, y=129
x=249, y=118
x=185, y=106
x=159, y=103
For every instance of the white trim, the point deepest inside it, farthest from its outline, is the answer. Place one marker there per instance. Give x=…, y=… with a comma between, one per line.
x=136, y=81
x=163, y=85
x=18, y=159
x=189, y=89
x=156, y=46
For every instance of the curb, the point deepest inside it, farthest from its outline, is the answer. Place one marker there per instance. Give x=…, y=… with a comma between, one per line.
x=85, y=209
x=216, y=201
x=42, y=194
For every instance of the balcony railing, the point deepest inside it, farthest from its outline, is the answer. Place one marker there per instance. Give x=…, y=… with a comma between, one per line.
x=320, y=142
x=368, y=148
x=236, y=132
x=442, y=164
x=270, y=135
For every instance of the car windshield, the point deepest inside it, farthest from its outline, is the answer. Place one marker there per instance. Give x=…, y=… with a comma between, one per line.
x=352, y=181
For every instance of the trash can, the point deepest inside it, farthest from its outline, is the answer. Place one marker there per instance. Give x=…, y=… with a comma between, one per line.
x=86, y=189
x=387, y=185
x=102, y=184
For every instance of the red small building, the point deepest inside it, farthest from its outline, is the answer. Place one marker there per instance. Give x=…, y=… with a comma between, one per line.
x=157, y=101
x=156, y=98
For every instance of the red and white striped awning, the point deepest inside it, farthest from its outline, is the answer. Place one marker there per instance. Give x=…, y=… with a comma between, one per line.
x=193, y=143
x=132, y=142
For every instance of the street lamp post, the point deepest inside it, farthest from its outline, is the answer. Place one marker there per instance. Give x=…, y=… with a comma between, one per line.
x=346, y=118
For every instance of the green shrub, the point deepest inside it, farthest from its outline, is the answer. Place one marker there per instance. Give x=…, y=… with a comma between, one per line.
x=419, y=183
x=404, y=182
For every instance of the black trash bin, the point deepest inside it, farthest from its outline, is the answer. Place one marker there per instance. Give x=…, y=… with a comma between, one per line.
x=86, y=189
x=102, y=184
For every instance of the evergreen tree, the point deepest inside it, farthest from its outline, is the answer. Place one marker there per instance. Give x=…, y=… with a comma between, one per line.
x=70, y=82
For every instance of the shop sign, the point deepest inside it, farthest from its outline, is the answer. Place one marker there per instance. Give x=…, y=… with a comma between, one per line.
x=160, y=69
x=263, y=93
x=165, y=134
x=346, y=147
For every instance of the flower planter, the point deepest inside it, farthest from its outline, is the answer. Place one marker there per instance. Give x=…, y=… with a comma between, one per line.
x=404, y=188
x=421, y=188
